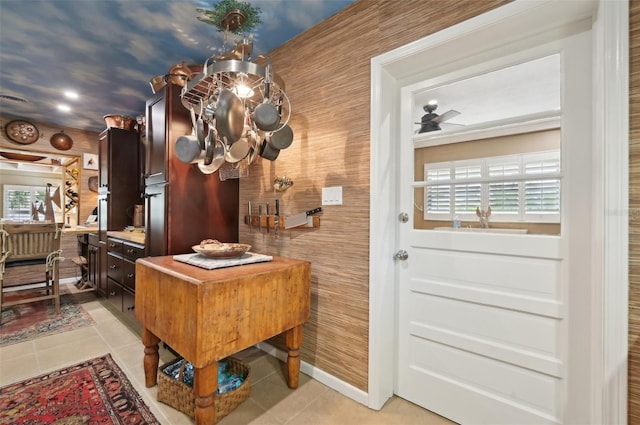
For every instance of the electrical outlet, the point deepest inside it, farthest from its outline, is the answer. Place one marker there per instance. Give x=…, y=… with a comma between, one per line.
x=332, y=195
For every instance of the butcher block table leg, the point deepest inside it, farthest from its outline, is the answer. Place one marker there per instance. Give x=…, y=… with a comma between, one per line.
x=205, y=385
x=293, y=340
x=151, y=357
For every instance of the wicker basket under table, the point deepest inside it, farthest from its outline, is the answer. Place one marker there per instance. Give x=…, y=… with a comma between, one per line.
x=180, y=396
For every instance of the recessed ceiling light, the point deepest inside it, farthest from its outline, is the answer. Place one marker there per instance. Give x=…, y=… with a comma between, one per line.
x=71, y=94
x=64, y=108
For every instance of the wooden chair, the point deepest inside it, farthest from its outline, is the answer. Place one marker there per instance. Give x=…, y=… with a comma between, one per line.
x=27, y=244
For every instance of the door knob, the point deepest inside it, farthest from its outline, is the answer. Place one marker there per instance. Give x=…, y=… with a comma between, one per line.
x=401, y=255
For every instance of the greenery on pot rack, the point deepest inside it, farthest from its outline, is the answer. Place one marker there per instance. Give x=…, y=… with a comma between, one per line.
x=223, y=8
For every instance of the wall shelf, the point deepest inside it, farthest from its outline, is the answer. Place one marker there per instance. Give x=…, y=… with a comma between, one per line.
x=71, y=191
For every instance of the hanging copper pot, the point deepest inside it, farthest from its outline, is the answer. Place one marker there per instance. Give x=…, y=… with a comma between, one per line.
x=61, y=141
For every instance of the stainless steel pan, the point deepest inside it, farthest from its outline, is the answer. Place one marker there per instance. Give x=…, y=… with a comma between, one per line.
x=229, y=117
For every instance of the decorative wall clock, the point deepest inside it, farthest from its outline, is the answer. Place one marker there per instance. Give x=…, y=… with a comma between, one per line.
x=22, y=132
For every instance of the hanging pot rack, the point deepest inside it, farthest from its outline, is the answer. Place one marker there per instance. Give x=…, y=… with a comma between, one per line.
x=204, y=88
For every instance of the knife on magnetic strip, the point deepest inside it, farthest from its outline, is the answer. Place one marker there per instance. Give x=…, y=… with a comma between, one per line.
x=299, y=219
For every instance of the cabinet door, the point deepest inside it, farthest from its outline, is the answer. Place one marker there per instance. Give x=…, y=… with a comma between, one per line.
x=155, y=156
x=93, y=267
x=123, y=178
x=102, y=253
x=103, y=179
x=156, y=221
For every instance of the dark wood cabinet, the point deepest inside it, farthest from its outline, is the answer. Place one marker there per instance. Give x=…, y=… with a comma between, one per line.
x=121, y=274
x=118, y=192
x=183, y=205
x=119, y=175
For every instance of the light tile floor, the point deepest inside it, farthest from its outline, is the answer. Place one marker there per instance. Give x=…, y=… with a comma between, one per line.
x=271, y=401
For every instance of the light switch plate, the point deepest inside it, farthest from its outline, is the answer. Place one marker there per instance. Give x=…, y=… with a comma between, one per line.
x=332, y=195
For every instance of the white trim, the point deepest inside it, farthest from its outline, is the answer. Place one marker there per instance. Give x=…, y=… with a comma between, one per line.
x=382, y=241
x=611, y=235
x=507, y=127
x=390, y=71
x=319, y=375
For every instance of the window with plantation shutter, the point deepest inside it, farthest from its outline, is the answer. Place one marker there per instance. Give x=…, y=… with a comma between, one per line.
x=504, y=196
x=19, y=199
x=467, y=196
x=518, y=188
x=438, y=197
x=542, y=196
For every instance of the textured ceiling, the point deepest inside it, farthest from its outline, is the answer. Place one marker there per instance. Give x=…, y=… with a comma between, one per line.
x=107, y=51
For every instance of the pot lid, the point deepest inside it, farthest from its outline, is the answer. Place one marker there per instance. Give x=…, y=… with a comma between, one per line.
x=61, y=141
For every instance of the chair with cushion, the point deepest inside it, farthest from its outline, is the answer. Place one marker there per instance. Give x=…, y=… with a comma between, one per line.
x=28, y=244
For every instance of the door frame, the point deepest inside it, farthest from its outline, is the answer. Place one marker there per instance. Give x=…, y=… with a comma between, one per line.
x=392, y=70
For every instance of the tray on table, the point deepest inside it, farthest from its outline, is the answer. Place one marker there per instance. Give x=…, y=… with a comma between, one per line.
x=217, y=263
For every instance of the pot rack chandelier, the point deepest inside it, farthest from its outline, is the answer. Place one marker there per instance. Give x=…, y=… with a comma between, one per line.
x=254, y=83
x=251, y=83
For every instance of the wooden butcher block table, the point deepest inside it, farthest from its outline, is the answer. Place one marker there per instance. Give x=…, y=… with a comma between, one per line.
x=207, y=315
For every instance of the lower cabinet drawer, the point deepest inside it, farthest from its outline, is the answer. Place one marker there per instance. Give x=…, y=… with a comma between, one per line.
x=114, y=294
x=129, y=304
x=114, y=267
x=129, y=275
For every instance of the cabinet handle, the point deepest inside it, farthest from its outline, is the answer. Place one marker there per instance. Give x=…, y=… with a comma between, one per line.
x=131, y=307
x=112, y=245
x=112, y=293
x=131, y=275
x=130, y=251
x=113, y=267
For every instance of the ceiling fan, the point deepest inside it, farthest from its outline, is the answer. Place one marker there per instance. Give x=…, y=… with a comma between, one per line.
x=431, y=121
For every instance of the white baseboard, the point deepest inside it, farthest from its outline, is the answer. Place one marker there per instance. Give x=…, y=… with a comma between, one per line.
x=330, y=381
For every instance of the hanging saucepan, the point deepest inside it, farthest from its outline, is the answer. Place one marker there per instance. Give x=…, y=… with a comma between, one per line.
x=240, y=149
x=200, y=125
x=61, y=141
x=268, y=152
x=266, y=115
x=188, y=147
x=282, y=138
x=254, y=149
x=229, y=116
x=218, y=155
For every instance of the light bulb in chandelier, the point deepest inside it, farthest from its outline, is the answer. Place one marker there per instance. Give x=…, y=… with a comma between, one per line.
x=243, y=91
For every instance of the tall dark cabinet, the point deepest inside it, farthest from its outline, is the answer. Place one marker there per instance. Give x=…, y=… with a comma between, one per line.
x=183, y=206
x=119, y=189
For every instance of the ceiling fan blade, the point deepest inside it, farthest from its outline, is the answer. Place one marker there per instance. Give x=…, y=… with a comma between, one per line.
x=446, y=116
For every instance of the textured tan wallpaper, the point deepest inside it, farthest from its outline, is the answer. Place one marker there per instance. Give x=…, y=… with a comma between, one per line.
x=327, y=75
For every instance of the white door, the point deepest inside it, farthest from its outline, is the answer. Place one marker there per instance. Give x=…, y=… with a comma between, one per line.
x=491, y=326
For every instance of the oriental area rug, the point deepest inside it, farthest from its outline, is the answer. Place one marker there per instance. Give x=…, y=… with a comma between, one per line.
x=24, y=322
x=92, y=392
